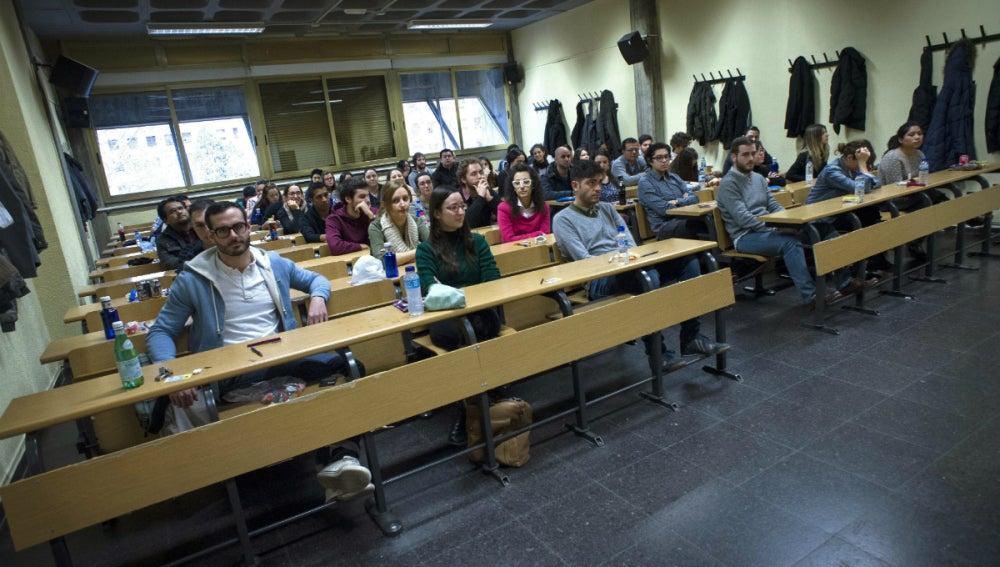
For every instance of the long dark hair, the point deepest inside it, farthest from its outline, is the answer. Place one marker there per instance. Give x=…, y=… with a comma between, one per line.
x=685, y=164
x=510, y=196
x=900, y=132
x=439, y=240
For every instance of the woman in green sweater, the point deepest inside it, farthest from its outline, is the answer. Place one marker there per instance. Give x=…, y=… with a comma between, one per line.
x=456, y=256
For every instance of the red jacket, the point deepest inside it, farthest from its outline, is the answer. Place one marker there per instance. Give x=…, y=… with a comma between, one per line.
x=345, y=234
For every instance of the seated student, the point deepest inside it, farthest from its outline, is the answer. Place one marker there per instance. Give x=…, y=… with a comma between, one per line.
x=488, y=173
x=290, y=211
x=555, y=178
x=539, y=159
x=581, y=153
x=330, y=181
x=270, y=196
x=742, y=197
x=609, y=183
x=177, y=242
x=251, y=202
x=753, y=133
x=424, y=185
x=446, y=172
x=629, y=166
x=660, y=191
x=316, y=175
x=312, y=224
x=838, y=177
x=404, y=167
x=514, y=157
x=774, y=178
x=645, y=140
x=197, y=212
x=374, y=187
x=589, y=228
x=418, y=166
x=685, y=165
x=231, y=294
x=248, y=193
x=678, y=142
x=505, y=163
x=395, y=225
x=817, y=148
x=901, y=162
x=481, y=200
x=344, y=177
x=523, y=212
x=347, y=223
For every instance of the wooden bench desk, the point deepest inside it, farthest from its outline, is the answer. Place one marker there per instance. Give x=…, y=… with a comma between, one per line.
x=197, y=458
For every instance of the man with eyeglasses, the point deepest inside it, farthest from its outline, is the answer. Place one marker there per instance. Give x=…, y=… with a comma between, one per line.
x=177, y=242
x=447, y=170
x=629, y=166
x=660, y=190
x=234, y=293
x=589, y=228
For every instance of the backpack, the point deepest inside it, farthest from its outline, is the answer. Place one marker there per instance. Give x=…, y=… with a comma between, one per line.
x=505, y=415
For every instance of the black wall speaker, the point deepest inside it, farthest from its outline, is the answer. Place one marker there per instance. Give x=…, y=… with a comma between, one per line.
x=73, y=77
x=513, y=73
x=76, y=112
x=633, y=48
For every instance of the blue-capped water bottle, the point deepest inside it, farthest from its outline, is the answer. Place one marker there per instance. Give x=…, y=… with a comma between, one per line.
x=389, y=261
x=859, y=189
x=108, y=317
x=774, y=165
x=925, y=172
x=702, y=165
x=622, y=246
x=809, y=171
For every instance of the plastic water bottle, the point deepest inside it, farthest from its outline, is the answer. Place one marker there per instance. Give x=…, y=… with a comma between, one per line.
x=121, y=233
x=126, y=358
x=859, y=189
x=809, y=171
x=414, y=301
x=774, y=165
x=701, y=170
x=925, y=172
x=272, y=225
x=389, y=261
x=622, y=246
x=108, y=317
x=138, y=237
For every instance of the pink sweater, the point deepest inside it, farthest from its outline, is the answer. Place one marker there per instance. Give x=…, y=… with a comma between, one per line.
x=513, y=225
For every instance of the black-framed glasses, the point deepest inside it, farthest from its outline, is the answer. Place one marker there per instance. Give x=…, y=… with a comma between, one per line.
x=239, y=228
x=664, y=157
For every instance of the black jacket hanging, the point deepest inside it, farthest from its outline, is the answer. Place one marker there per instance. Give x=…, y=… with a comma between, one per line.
x=734, y=112
x=951, y=131
x=925, y=94
x=993, y=111
x=801, y=109
x=555, y=127
x=607, y=119
x=849, y=91
x=576, y=136
x=702, y=121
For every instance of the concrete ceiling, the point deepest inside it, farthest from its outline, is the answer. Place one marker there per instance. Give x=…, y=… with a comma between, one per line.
x=117, y=19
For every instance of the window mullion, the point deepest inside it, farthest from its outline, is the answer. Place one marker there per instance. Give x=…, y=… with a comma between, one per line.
x=175, y=126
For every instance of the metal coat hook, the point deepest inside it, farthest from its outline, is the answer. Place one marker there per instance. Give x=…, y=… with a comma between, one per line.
x=945, y=36
x=738, y=72
x=825, y=58
x=838, y=53
x=730, y=72
x=928, y=38
x=963, y=34
x=703, y=77
x=790, y=65
x=982, y=31
x=814, y=60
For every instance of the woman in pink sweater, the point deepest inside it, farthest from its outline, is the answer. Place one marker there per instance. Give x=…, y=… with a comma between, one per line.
x=523, y=212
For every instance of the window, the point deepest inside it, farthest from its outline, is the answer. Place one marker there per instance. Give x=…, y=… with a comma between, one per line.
x=299, y=116
x=434, y=120
x=121, y=120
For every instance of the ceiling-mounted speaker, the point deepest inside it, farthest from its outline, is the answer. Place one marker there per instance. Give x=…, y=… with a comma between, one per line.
x=633, y=47
x=513, y=74
x=72, y=77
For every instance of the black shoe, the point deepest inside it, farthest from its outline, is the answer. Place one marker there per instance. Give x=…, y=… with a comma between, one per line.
x=703, y=345
x=458, y=437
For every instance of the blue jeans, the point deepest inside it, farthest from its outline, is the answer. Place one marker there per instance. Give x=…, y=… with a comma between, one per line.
x=680, y=270
x=774, y=243
x=310, y=369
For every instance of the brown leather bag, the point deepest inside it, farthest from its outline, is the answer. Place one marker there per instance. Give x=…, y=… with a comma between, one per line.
x=505, y=415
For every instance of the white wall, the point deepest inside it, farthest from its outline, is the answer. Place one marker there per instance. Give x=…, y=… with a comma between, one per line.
x=577, y=51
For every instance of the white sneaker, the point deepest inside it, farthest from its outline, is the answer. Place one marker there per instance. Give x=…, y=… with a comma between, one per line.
x=345, y=479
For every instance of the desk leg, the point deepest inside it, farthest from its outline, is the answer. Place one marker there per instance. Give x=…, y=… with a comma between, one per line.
x=817, y=318
x=232, y=492
x=929, y=268
x=720, y=330
x=490, y=465
x=897, y=277
x=581, y=428
x=653, y=342
x=377, y=507
x=959, y=240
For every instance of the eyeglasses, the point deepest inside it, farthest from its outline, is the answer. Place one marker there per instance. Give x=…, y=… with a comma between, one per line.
x=521, y=183
x=239, y=228
x=455, y=209
x=660, y=158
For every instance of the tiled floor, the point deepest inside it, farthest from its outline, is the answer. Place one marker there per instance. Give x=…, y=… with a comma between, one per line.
x=880, y=446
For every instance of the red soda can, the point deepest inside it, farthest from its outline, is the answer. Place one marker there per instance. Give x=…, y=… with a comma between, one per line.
x=963, y=159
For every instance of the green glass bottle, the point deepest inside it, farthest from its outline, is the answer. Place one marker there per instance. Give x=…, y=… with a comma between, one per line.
x=126, y=358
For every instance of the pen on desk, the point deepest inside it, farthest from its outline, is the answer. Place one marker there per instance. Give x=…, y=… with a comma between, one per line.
x=542, y=282
x=650, y=253
x=257, y=352
x=265, y=341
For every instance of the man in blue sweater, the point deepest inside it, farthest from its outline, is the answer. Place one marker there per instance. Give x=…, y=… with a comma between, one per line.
x=589, y=227
x=234, y=293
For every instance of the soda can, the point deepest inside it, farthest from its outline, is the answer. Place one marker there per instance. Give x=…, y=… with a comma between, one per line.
x=963, y=159
x=157, y=291
x=146, y=290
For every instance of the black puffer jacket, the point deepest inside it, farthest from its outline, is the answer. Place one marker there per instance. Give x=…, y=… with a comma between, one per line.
x=702, y=120
x=607, y=124
x=801, y=109
x=993, y=111
x=555, y=127
x=849, y=91
x=950, y=133
x=925, y=94
x=734, y=112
